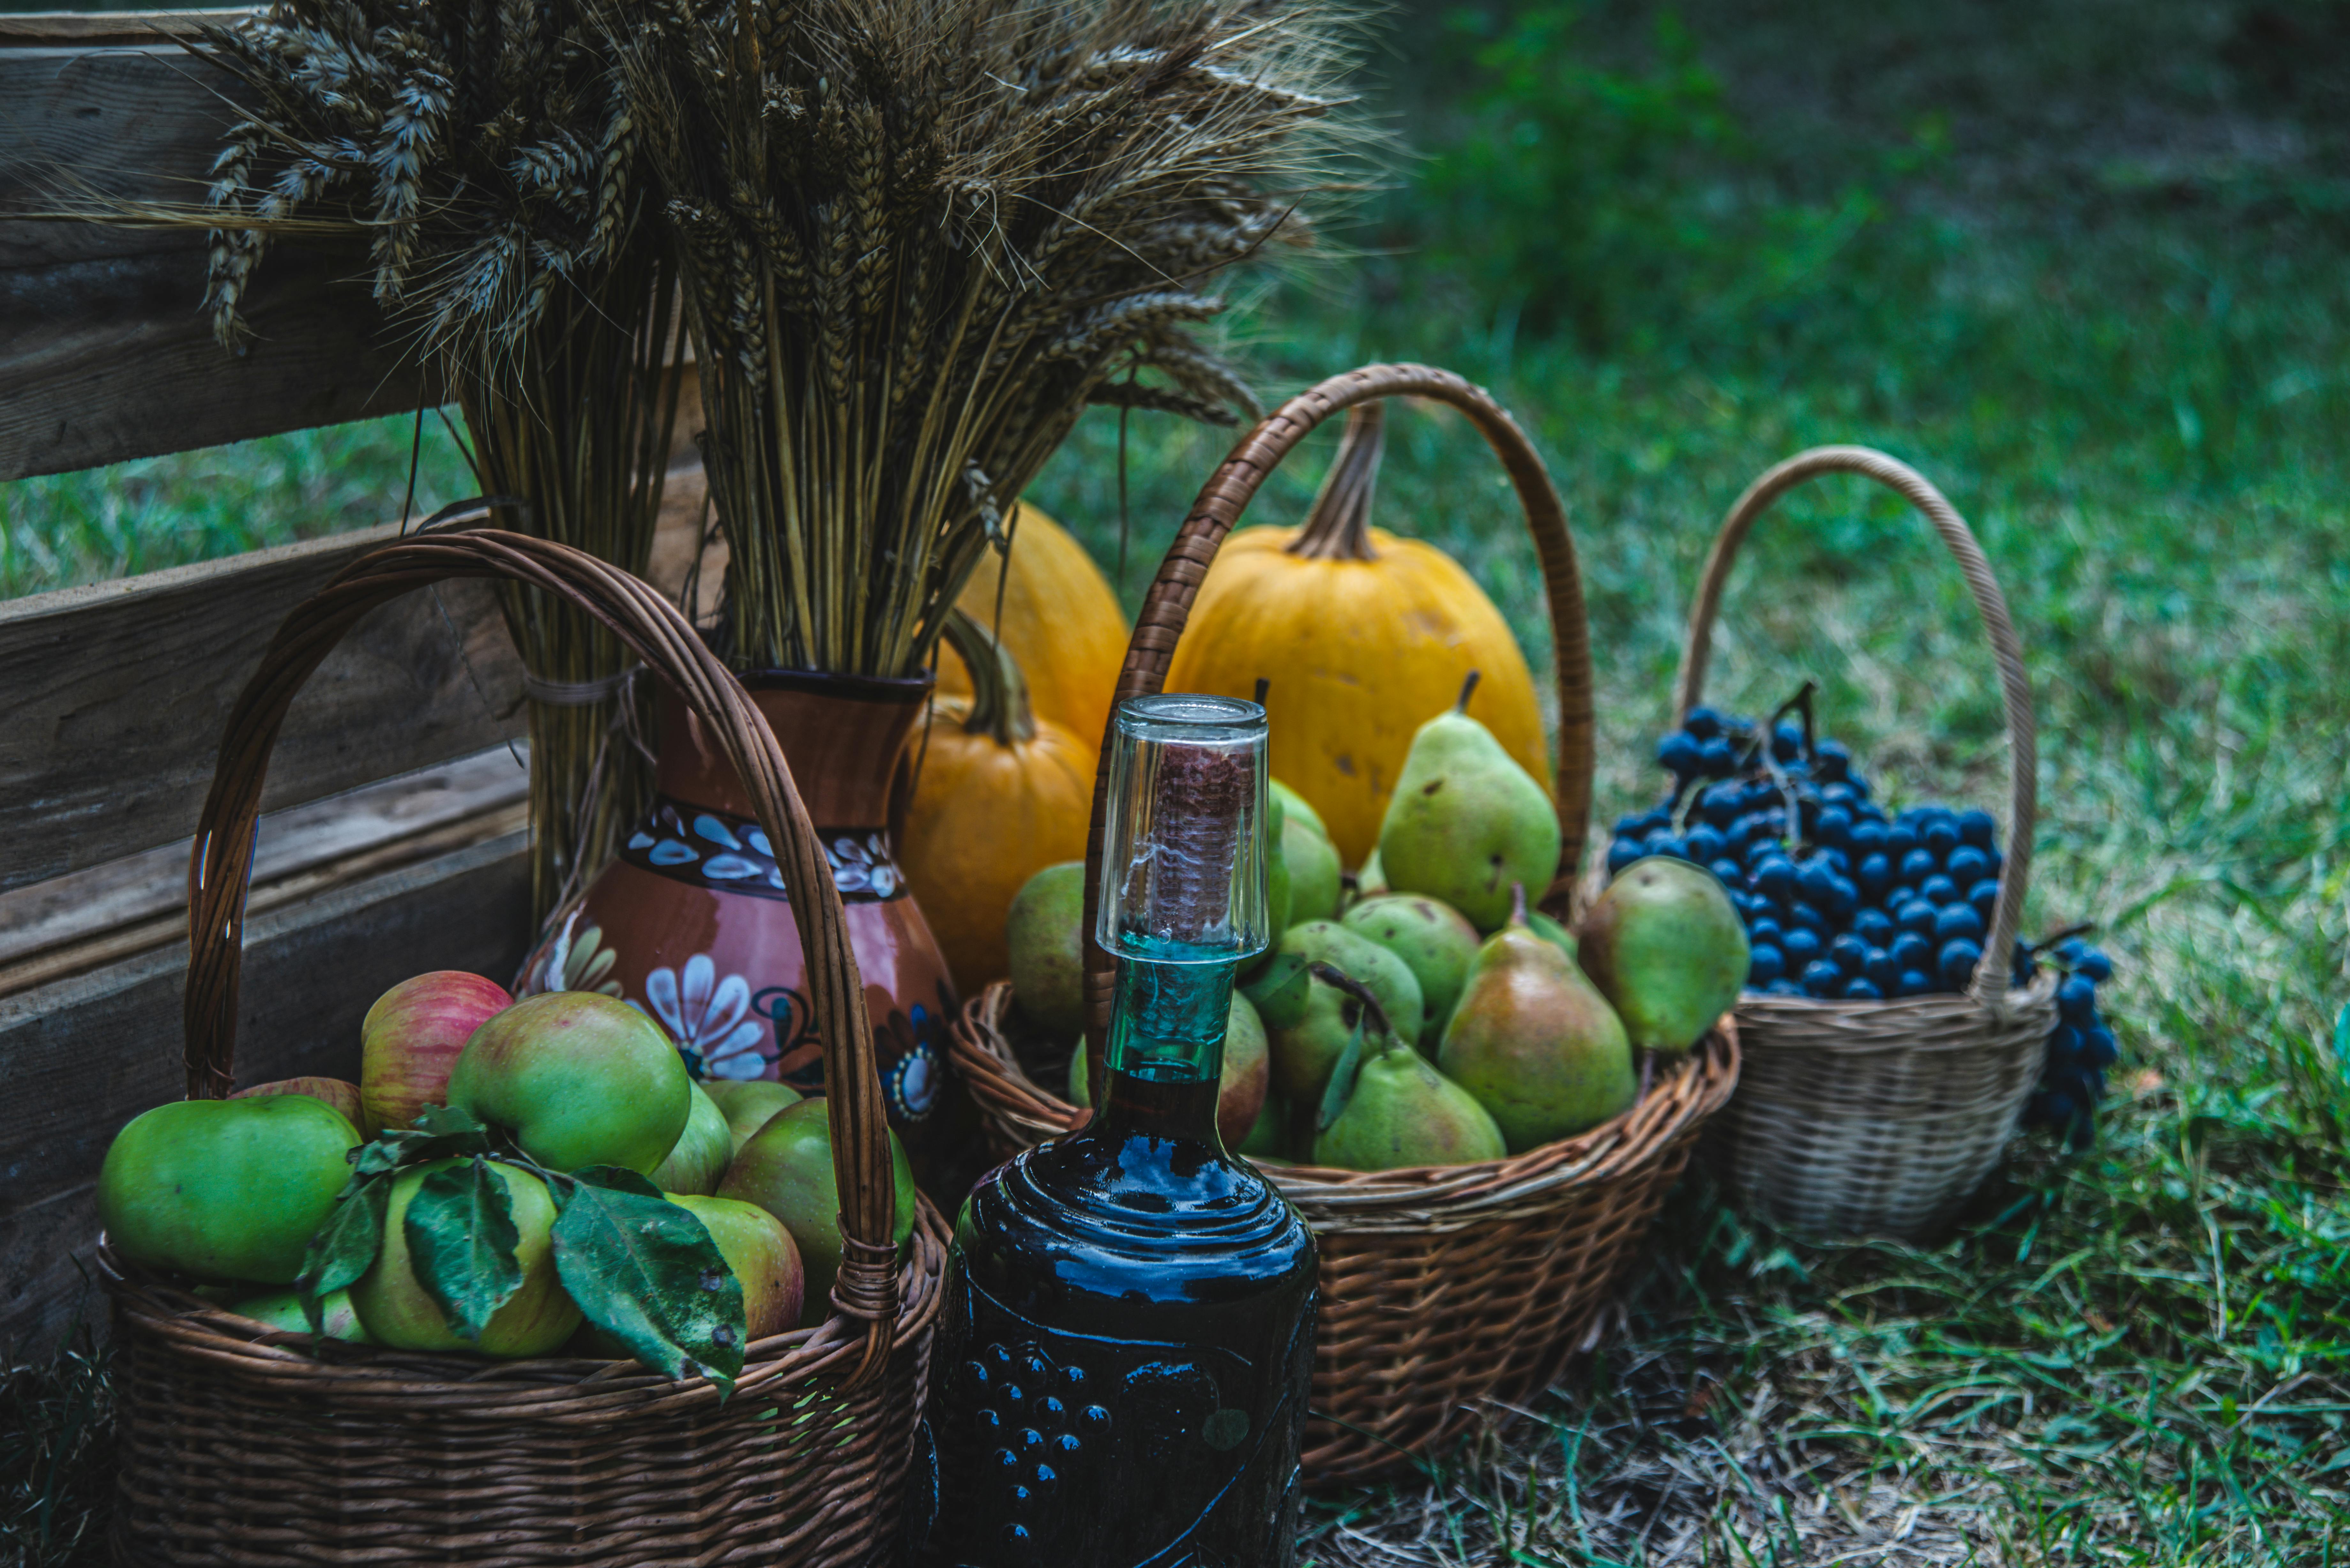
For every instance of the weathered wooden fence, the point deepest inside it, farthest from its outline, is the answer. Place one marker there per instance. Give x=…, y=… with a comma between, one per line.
x=396, y=835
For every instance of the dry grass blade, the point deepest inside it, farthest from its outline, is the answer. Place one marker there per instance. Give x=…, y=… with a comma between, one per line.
x=919, y=236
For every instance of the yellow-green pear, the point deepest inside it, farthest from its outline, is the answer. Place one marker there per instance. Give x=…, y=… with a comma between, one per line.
x=1435, y=942
x=1315, y=877
x=1466, y=822
x=1534, y=1041
x=1307, y=1020
x=1387, y=1109
x=1296, y=807
x=1665, y=945
x=1049, y=957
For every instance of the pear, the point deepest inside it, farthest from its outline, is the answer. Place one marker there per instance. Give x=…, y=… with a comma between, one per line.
x=1270, y=1135
x=1307, y=1020
x=1551, y=931
x=1240, y=1089
x=1666, y=948
x=1297, y=809
x=1534, y=1041
x=1435, y=942
x=1466, y=822
x=1387, y=1109
x=1315, y=877
x=1048, y=955
x=1371, y=878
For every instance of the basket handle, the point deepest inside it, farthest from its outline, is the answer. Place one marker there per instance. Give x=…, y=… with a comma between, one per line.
x=2023, y=732
x=221, y=869
x=1226, y=495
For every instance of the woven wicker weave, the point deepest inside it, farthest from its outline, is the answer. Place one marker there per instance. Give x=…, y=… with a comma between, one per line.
x=1446, y=1287
x=1882, y=1118
x=240, y=1446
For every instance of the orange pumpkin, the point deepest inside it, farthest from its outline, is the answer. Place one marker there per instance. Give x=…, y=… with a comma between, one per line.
x=1365, y=637
x=1002, y=794
x=1061, y=622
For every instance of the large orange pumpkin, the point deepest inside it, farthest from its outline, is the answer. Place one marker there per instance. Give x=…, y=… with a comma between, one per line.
x=1061, y=622
x=1365, y=637
x=1002, y=794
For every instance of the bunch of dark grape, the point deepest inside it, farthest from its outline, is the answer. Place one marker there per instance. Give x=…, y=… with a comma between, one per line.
x=1841, y=900
x=2082, y=1045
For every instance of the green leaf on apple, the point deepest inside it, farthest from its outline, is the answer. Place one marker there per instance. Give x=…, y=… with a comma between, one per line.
x=461, y=1243
x=345, y=1246
x=646, y=1271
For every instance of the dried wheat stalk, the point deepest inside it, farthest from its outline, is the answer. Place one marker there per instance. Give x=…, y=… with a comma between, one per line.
x=918, y=236
x=483, y=151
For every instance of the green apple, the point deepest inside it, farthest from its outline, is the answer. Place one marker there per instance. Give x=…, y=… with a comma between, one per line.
x=699, y=1157
x=762, y=1255
x=786, y=1170
x=750, y=1107
x=398, y=1310
x=283, y=1310
x=410, y=1041
x=225, y=1190
x=580, y=1079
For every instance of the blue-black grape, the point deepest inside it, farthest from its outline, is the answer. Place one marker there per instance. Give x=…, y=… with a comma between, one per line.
x=1801, y=946
x=1868, y=838
x=1940, y=834
x=1705, y=842
x=2076, y=1000
x=1679, y=755
x=1783, y=987
x=1665, y=841
x=2093, y=966
x=1917, y=916
x=1899, y=840
x=1622, y=853
x=1702, y=722
x=1967, y=866
x=1873, y=926
x=1938, y=890
x=1917, y=865
x=2102, y=1049
x=1875, y=874
x=1763, y=927
x=1850, y=953
x=2063, y=1045
x=1764, y=965
x=1835, y=828
x=1808, y=916
x=1910, y=950
x=1787, y=741
x=1821, y=978
x=1862, y=988
x=1832, y=759
x=1732, y=875
x=1956, y=962
x=1913, y=982
x=1774, y=878
x=1878, y=965
x=1716, y=758
x=1984, y=898
x=1955, y=923
x=1722, y=804
x=1977, y=827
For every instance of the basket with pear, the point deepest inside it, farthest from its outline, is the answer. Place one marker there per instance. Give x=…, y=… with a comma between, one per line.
x=1477, y=1122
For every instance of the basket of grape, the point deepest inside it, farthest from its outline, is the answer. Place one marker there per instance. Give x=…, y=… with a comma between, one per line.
x=1893, y=1028
x=1418, y=1063
x=520, y=1328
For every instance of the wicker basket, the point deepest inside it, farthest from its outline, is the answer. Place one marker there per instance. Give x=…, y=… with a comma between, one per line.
x=1881, y=1118
x=241, y=1444
x=1445, y=1287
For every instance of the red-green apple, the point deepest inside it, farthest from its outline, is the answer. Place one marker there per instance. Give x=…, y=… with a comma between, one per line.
x=283, y=1310
x=579, y=1078
x=410, y=1041
x=225, y=1190
x=399, y=1310
x=699, y=1157
x=339, y=1093
x=786, y=1170
x=750, y=1106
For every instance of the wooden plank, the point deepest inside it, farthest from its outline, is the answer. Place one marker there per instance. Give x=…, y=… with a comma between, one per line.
x=105, y=354
x=126, y=906
x=34, y=28
x=80, y=1058
x=113, y=698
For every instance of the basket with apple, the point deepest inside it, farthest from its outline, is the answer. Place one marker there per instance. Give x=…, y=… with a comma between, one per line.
x=1478, y=1136
x=525, y=1293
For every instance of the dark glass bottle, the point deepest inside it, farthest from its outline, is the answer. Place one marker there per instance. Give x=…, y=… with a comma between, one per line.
x=1129, y=1337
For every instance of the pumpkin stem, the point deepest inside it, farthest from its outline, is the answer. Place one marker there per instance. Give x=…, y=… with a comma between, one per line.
x=1340, y=528
x=998, y=693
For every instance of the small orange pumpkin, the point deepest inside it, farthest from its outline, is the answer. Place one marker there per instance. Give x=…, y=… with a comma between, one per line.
x=1061, y=622
x=1365, y=637
x=1002, y=794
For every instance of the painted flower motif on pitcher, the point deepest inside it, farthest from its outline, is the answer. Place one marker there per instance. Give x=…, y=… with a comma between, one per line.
x=710, y=1019
x=576, y=959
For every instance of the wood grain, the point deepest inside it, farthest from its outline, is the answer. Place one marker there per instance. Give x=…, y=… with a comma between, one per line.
x=86, y=1054
x=104, y=353
x=112, y=697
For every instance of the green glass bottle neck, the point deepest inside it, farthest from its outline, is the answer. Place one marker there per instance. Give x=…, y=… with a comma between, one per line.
x=1167, y=1032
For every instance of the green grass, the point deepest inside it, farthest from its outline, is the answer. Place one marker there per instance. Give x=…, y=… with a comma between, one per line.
x=2083, y=268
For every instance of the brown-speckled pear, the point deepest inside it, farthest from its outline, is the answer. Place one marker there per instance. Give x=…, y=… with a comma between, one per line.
x=1403, y=1113
x=1534, y=1041
x=1665, y=946
x=1307, y=1020
x=1466, y=822
x=1435, y=942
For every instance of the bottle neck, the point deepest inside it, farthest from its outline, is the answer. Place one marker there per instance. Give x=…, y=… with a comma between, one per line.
x=1166, y=1050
